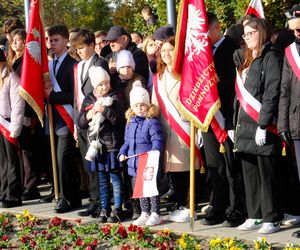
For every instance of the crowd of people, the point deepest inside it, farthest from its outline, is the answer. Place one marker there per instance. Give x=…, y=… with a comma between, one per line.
x=124, y=98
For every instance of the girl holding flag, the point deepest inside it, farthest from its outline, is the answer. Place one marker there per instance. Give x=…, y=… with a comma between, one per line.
x=143, y=133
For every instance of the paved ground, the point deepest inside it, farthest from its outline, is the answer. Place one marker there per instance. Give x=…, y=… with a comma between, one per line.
x=280, y=238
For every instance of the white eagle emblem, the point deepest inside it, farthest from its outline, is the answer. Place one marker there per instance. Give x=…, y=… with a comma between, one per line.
x=196, y=38
x=34, y=47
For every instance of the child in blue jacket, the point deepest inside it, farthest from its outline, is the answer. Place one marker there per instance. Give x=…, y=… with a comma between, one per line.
x=143, y=133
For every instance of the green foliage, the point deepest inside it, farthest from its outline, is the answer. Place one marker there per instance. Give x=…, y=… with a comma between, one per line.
x=11, y=8
x=92, y=14
x=133, y=9
x=229, y=12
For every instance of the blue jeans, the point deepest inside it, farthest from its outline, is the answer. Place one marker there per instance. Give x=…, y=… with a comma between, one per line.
x=104, y=192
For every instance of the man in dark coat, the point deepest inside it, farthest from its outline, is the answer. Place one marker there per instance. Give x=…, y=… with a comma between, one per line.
x=119, y=39
x=222, y=168
x=85, y=45
x=62, y=93
x=289, y=113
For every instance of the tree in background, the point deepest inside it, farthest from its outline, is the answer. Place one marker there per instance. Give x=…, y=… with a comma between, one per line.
x=11, y=8
x=229, y=12
x=125, y=9
x=92, y=14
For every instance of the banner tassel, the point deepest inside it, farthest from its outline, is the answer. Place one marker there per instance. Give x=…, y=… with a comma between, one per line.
x=222, y=149
x=283, y=151
x=202, y=170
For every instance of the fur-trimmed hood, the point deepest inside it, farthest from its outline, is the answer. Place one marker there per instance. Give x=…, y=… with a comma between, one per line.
x=153, y=112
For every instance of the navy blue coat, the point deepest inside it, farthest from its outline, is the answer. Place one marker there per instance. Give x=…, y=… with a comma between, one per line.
x=141, y=135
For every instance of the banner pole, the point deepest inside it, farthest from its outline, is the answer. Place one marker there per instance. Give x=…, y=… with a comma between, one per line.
x=192, y=176
x=53, y=151
x=26, y=12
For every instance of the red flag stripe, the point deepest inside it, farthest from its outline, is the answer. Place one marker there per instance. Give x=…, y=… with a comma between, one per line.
x=138, y=186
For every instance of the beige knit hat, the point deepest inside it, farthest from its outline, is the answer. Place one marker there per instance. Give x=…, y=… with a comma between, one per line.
x=139, y=95
x=97, y=75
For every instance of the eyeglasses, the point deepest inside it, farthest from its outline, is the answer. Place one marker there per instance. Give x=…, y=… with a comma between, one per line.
x=249, y=34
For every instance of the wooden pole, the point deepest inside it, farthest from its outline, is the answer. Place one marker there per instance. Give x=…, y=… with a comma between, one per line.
x=192, y=176
x=53, y=151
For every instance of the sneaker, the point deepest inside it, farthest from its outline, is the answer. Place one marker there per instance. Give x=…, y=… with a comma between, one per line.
x=206, y=209
x=269, y=228
x=251, y=224
x=181, y=215
x=290, y=220
x=154, y=220
x=141, y=221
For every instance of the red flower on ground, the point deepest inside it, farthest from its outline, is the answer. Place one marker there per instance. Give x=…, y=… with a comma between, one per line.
x=106, y=229
x=79, y=242
x=5, y=237
x=122, y=231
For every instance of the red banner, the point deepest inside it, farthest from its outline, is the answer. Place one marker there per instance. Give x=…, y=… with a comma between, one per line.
x=256, y=8
x=198, y=92
x=35, y=62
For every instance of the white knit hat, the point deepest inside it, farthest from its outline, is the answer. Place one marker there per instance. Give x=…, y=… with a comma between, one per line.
x=125, y=58
x=97, y=75
x=139, y=95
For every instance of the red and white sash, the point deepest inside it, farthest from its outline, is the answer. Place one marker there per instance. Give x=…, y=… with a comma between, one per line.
x=218, y=126
x=172, y=115
x=66, y=110
x=248, y=103
x=5, y=130
x=293, y=58
x=79, y=96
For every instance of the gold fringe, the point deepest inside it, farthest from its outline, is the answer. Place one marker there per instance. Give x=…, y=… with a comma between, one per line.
x=222, y=149
x=28, y=98
x=283, y=151
x=202, y=170
x=191, y=117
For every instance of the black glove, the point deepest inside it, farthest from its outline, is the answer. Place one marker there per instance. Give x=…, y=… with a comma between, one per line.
x=286, y=137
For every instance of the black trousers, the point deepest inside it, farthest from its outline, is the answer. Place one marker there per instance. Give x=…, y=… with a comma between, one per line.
x=10, y=177
x=68, y=170
x=92, y=176
x=262, y=187
x=29, y=144
x=225, y=174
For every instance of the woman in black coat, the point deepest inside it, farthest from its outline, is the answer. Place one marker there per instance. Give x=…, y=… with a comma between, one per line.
x=256, y=140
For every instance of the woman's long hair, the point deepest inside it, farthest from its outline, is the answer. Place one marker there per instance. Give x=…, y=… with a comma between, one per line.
x=264, y=30
x=161, y=66
x=11, y=54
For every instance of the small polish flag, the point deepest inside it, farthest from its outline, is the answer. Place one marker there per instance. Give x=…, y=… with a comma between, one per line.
x=145, y=184
x=256, y=8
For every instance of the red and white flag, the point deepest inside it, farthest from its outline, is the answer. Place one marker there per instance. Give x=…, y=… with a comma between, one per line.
x=256, y=8
x=35, y=62
x=198, y=92
x=145, y=184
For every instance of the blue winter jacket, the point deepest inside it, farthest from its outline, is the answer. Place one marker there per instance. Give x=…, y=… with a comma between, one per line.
x=141, y=135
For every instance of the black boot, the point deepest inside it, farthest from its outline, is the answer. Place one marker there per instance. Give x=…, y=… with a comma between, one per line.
x=136, y=209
